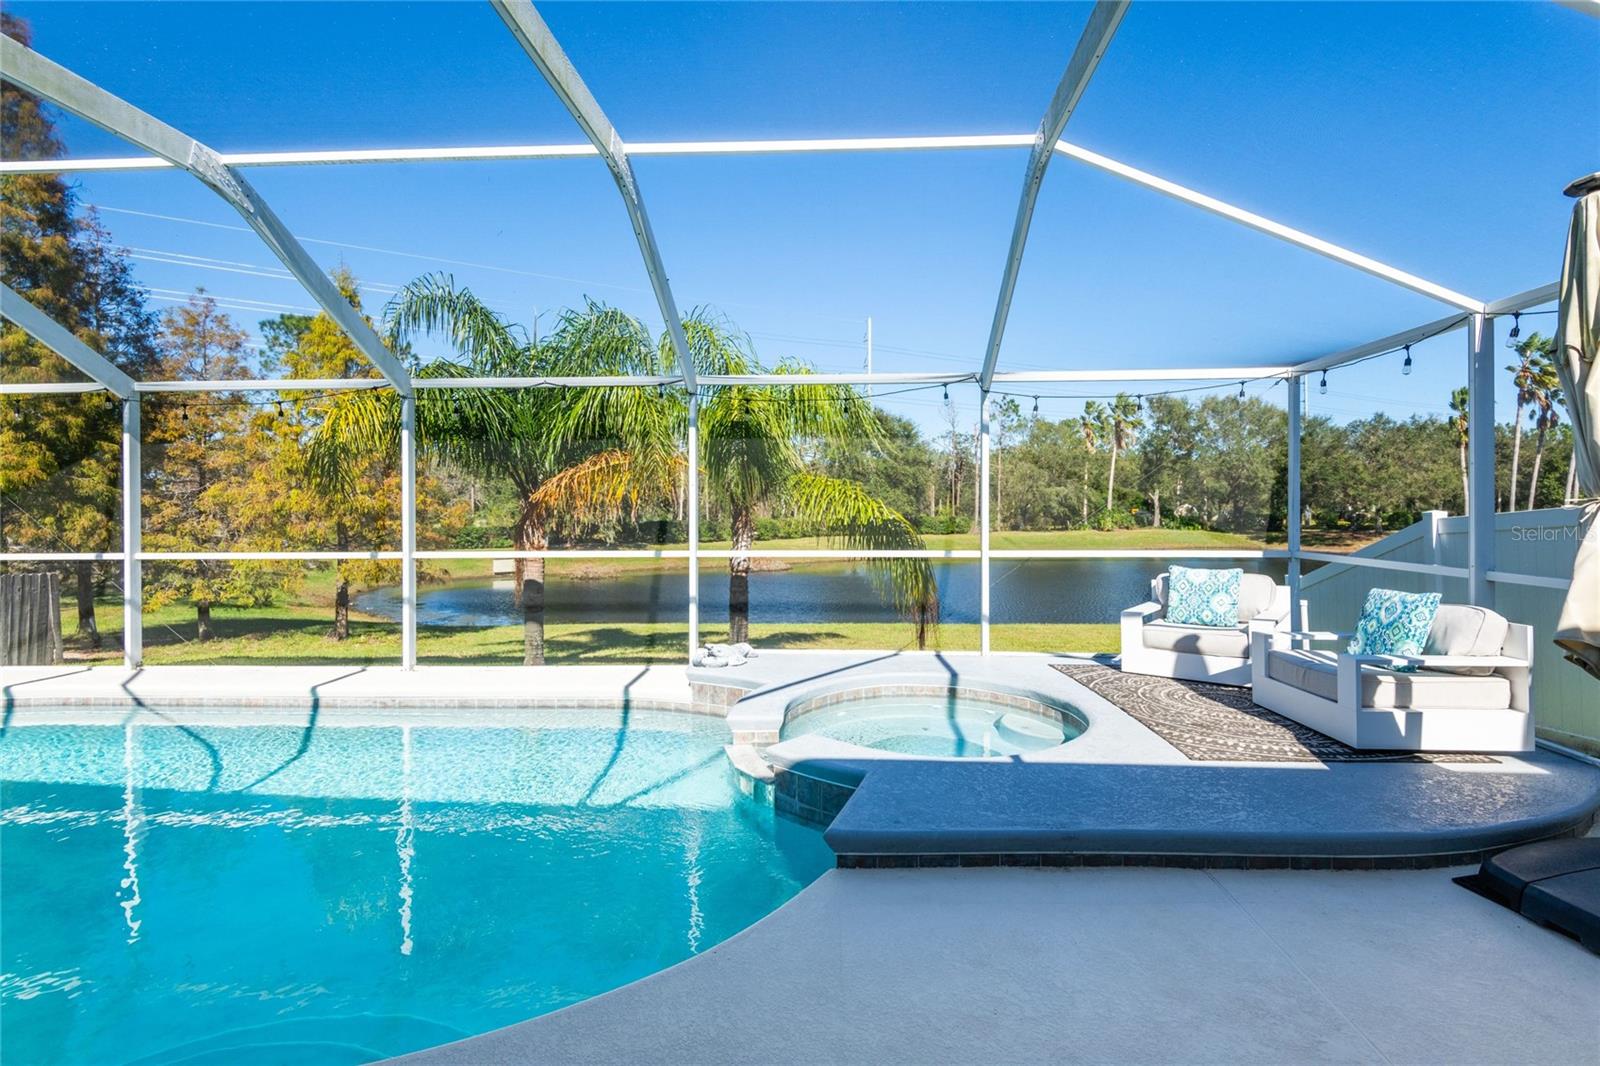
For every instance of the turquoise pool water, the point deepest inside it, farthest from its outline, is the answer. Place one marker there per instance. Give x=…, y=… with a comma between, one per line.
x=243, y=895
x=958, y=726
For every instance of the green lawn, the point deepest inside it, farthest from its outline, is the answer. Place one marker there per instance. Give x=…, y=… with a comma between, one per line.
x=297, y=633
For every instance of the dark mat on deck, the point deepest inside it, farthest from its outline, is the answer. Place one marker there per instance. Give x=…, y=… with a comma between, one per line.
x=1214, y=723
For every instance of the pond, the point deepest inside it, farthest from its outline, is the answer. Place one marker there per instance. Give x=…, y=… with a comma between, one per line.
x=1042, y=590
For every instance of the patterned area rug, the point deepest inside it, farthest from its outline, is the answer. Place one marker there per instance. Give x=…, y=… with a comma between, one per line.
x=1211, y=723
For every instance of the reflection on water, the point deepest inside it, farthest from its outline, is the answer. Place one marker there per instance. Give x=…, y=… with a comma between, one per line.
x=387, y=889
x=1043, y=590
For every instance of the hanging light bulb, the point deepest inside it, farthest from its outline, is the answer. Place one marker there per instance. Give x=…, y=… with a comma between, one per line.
x=1323, y=388
x=661, y=391
x=1516, y=326
x=186, y=414
x=1241, y=390
x=947, y=394
x=280, y=408
x=1405, y=367
x=1036, y=406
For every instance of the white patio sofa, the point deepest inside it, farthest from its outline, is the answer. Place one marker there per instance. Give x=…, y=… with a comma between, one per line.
x=1469, y=693
x=1152, y=645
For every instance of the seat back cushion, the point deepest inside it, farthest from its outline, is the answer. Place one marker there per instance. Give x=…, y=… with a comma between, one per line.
x=1461, y=629
x=1255, y=595
x=1394, y=623
x=1202, y=597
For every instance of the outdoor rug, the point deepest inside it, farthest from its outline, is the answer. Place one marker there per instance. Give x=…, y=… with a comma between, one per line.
x=1213, y=723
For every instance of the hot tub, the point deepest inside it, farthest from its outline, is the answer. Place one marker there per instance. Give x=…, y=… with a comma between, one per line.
x=934, y=721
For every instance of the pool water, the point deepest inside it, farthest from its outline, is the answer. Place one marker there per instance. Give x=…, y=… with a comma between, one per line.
x=233, y=894
x=959, y=726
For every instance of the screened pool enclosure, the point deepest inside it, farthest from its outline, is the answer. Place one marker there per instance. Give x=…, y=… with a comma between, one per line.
x=1471, y=556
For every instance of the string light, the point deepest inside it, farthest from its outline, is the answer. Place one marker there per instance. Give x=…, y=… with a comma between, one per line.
x=186, y=414
x=947, y=394
x=1036, y=406
x=1405, y=367
x=1323, y=388
x=1516, y=326
x=1241, y=390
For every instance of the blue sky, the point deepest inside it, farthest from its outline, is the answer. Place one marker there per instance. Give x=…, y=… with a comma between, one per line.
x=1434, y=136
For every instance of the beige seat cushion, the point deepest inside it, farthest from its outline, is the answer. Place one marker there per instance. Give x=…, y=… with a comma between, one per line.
x=1231, y=641
x=1255, y=596
x=1317, y=672
x=1460, y=629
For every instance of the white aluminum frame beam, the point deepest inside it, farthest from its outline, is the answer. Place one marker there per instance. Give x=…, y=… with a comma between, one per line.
x=1481, y=374
x=1092, y=44
x=1221, y=373
x=88, y=101
x=53, y=335
x=540, y=44
x=1265, y=225
x=1416, y=334
x=485, y=153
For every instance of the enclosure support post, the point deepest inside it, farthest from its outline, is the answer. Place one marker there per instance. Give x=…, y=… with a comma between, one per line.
x=1292, y=523
x=1480, y=459
x=132, y=517
x=408, y=532
x=692, y=505
x=983, y=523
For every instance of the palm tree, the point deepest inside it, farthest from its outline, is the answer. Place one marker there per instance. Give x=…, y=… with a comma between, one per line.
x=1123, y=421
x=524, y=435
x=1546, y=415
x=1460, y=423
x=1523, y=377
x=752, y=458
x=1091, y=427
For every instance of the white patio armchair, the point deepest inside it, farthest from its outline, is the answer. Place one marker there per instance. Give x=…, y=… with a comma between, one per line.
x=1220, y=654
x=1469, y=693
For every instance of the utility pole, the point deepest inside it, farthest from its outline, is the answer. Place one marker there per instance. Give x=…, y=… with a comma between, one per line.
x=869, y=355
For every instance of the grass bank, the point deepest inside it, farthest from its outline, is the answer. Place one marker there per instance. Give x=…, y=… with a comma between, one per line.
x=298, y=634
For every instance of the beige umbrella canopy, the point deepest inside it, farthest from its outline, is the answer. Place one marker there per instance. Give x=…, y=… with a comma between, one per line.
x=1577, y=344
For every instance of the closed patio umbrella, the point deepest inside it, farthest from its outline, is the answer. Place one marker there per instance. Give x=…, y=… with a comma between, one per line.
x=1577, y=344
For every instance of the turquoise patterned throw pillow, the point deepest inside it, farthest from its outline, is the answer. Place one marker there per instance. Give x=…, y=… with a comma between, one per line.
x=1395, y=623
x=1198, y=597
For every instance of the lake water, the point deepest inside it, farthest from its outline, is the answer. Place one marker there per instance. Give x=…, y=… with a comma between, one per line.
x=1044, y=590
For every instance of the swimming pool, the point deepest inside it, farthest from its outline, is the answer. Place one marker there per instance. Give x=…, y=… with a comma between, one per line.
x=248, y=894
x=935, y=722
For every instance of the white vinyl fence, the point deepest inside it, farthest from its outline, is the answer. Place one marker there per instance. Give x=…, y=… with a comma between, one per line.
x=1534, y=552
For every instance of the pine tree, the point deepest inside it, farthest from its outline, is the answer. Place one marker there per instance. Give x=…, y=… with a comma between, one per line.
x=201, y=452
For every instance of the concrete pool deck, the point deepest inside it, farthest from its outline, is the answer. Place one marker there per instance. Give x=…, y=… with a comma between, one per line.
x=1128, y=966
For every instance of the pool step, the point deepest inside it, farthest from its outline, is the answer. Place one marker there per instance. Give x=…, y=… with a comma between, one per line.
x=746, y=759
x=1022, y=727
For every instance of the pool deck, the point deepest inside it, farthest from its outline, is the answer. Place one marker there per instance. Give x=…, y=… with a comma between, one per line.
x=1127, y=966
x=1098, y=961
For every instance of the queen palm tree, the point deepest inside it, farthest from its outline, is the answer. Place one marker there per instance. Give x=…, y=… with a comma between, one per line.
x=1460, y=423
x=1123, y=421
x=1092, y=425
x=752, y=456
x=1523, y=377
x=523, y=435
x=1546, y=415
